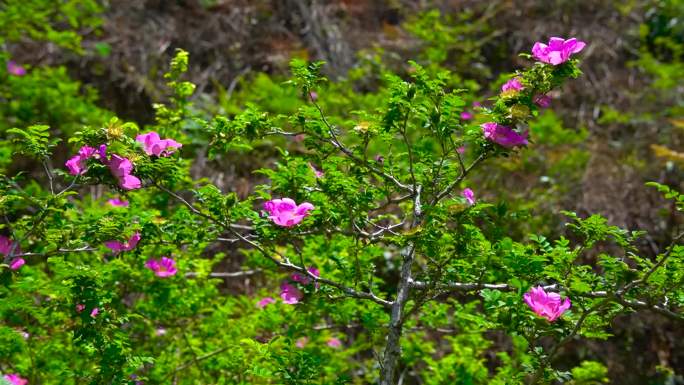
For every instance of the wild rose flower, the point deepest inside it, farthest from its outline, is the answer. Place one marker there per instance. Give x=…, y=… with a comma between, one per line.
x=558, y=50
x=122, y=168
x=547, y=305
x=17, y=263
x=160, y=332
x=318, y=173
x=154, y=145
x=118, y=202
x=95, y=312
x=477, y=104
x=6, y=245
x=380, y=159
x=15, y=69
x=334, y=343
x=469, y=196
x=504, y=136
x=290, y=294
x=511, y=86
x=461, y=150
x=301, y=342
x=80, y=307
x=313, y=95
x=543, y=101
x=77, y=163
x=265, y=302
x=129, y=245
x=465, y=115
x=285, y=212
x=14, y=379
x=164, y=267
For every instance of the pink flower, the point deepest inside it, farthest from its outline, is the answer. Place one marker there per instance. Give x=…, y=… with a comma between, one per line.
x=265, y=302
x=164, y=267
x=290, y=294
x=547, y=305
x=477, y=104
x=313, y=95
x=318, y=173
x=558, y=50
x=95, y=312
x=380, y=159
x=14, y=379
x=121, y=169
x=285, y=212
x=465, y=115
x=503, y=135
x=15, y=69
x=6, y=245
x=512, y=86
x=543, y=101
x=77, y=163
x=154, y=145
x=305, y=279
x=80, y=307
x=17, y=263
x=301, y=342
x=469, y=196
x=129, y=245
x=461, y=150
x=117, y=202
x=160, y=332
x=334, y=342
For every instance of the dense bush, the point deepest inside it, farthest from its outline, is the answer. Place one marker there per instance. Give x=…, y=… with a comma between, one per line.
x=373, y=256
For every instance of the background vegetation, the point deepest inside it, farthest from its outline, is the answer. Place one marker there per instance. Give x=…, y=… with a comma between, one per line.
x=92, y=64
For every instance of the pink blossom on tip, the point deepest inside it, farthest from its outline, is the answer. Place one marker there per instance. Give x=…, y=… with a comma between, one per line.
x=334, y=342
x=122, y=168
x=6, y=245
x=160, y=332
x=469, y=196
x=117, y=202
x=154, y=145
x=299, y=138
x=285, y=212
x=512, y=85
x=543, y=101
x=318, y=173
x=557, y=51
x=461, y=150
x=129, y=245
x=290, y=294
x=504, y=136
x=477, y=104
x=546, y=305
x=301, y=342
x=77, y=163
x=15, y=379
x=24, y=334
x=17, y=263
x=95, y=312
x=265, y=302
x=465, y=115
x=379, y=158
x=15, y=69
x=313, y=95
x=162, y=268
x=80, y=307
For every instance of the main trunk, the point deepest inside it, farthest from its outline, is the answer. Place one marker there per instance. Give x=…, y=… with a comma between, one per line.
x=392, y=352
